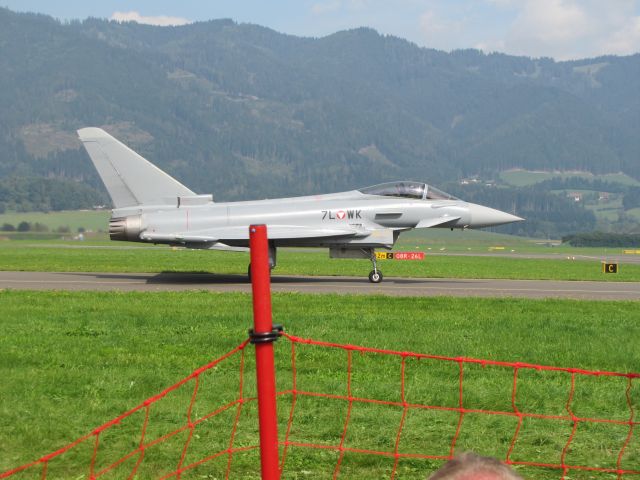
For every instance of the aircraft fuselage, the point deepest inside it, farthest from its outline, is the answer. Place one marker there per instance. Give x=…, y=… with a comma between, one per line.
x=364, y=220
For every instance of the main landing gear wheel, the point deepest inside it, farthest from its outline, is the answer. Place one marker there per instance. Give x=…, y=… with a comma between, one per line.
x=375, y=276
x=272, y=260
x=249, y=271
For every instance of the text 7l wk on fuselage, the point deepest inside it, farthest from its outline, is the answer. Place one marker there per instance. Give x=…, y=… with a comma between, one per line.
x=151, y=206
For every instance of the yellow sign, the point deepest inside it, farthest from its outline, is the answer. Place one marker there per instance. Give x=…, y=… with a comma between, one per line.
x=609, y=267
x=399, y=255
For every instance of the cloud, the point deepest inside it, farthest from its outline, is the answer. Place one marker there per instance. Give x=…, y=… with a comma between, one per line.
x=160, y=20
x=561, y=29
x=501, y=3
x=332, y=6
x=624, y=41
x=438, y=30
x=569, y=29
x=550, y=27
x=325, y=7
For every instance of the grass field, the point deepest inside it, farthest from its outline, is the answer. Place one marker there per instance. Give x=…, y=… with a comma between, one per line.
x=71, y=361
x=122, y=257
x=522, y=178
x=609, y=211
x=634, y=212
x=88, y=219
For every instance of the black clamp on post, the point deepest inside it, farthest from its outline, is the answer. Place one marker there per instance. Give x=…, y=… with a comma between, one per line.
x=267, y=337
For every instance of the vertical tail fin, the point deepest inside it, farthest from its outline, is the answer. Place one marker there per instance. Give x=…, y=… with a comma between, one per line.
x=130, y=179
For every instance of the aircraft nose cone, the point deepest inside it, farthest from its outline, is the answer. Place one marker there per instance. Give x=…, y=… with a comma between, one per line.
x=482, y=216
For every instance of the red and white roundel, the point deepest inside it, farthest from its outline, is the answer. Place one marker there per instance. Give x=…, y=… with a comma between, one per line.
x=340, y=214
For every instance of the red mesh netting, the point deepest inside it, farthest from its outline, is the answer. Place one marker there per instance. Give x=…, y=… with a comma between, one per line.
x=555, y=419
x=347, y=411
x=153, y=439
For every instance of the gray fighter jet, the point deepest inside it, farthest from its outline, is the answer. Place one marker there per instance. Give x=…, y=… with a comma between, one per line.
x=150, y=206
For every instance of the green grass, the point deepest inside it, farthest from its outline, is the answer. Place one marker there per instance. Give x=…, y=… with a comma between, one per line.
x=482, y=241
x=461, y=240
x=634, y=212
x=622, y=178
x=88, y=219
x=71, y=361
x=121, y=257
x=609, y=211
x=522, y=178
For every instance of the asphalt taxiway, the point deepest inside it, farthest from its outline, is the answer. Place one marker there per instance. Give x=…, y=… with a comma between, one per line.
x=340, y=285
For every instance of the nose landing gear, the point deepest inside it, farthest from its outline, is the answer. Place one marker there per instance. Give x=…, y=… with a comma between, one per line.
x=375, y=276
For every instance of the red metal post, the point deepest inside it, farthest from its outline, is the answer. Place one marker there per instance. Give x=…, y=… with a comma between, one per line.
x=265, y=367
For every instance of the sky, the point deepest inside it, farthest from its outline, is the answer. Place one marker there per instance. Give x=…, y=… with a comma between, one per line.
x=561, y=29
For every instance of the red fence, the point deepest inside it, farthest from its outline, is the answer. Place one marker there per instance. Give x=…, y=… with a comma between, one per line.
x=128, y=464
x=617, y=431
x=422, y=430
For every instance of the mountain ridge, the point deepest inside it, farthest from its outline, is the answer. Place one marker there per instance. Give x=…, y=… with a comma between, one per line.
x=246, y=112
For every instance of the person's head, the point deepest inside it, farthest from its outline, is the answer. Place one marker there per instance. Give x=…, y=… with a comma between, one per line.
x=470, y=466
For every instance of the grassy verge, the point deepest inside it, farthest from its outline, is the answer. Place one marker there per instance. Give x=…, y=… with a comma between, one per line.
x=74, y=219
x=71, y=361
x=102, y=257
x=521, y=178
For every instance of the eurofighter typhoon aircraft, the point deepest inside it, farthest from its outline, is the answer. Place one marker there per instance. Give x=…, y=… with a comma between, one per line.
x=150, y=206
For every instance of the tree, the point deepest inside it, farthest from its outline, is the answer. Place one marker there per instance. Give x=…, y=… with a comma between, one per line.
x=631, y=198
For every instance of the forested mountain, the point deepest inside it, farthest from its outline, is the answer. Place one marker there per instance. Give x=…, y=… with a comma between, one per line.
x=245, y=112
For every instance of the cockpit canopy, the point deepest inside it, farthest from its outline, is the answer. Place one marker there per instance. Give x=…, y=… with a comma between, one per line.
x=414, y=190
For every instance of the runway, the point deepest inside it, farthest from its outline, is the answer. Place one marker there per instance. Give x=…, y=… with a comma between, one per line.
x=150, y=282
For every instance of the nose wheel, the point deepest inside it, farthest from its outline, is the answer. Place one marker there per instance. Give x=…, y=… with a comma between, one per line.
x=375, y=276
